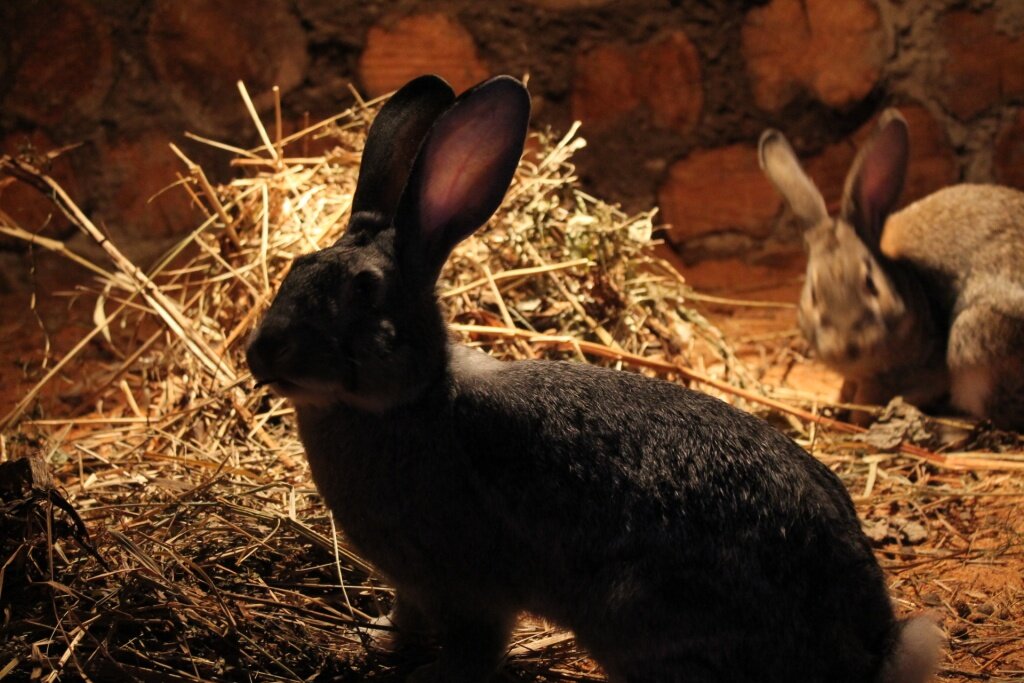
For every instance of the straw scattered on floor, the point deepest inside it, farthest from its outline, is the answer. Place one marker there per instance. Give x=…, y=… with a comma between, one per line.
x=209, y=554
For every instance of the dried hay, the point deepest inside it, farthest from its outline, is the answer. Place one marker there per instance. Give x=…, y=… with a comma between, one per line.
x=216, y=560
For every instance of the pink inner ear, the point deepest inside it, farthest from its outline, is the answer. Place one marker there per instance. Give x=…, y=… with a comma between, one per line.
x=469, y=155
x=882, y=174
x=875, y=179
x=463, y=161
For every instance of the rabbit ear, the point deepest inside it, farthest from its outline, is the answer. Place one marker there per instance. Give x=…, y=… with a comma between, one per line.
x=392, y=143
x=463, y=170
x=779, y=163
x=875, y=180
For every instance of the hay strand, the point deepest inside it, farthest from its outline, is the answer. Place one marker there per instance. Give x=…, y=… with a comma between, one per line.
x=223, y=563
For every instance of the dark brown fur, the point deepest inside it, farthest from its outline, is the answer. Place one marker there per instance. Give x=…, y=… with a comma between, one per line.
x=680, y=538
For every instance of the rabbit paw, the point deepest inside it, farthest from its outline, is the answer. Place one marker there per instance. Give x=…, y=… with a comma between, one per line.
x=437, y=673
x=471, y=652
x=405, y=628
x=430, y=673
x=383, y=637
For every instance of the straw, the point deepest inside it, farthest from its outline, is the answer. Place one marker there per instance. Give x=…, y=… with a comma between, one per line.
x=222, y=563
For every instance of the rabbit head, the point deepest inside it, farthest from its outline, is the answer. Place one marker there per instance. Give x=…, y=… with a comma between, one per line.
x=358, y=322
x=854, y=308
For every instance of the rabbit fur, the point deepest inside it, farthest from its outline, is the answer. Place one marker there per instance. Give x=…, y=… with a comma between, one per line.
x=928, y=302
x=968, y=241
x=680, y=538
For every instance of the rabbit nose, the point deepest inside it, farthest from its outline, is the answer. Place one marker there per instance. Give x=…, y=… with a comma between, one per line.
x=266, y=348
x=852, y=350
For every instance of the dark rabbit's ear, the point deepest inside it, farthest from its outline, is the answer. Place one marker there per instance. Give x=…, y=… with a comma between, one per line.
x=875, y=180
x=463, y=171
x=781, y=166
x=394, y=138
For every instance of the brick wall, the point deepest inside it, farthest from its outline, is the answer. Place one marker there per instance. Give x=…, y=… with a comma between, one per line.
x=672, y=93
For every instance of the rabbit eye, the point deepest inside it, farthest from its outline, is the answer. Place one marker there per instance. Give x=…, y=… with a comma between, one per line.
x=364, y=288
x=869, y=284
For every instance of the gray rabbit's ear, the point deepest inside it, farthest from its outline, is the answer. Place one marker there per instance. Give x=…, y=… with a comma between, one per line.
x=779, y=163
x=875, y=180
x=462, y=171
x=391, y=145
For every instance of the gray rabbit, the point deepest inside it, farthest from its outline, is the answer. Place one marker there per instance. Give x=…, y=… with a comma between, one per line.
x=681, y=539
x=925, y=303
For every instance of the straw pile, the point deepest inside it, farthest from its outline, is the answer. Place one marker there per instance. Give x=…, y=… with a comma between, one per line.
x=212, y=558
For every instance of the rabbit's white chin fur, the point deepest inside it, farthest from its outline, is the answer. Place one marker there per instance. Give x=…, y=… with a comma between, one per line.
x=326, y=395
x=299, y=394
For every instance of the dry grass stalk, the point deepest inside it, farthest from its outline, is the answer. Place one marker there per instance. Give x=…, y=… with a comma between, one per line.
x=223, y=564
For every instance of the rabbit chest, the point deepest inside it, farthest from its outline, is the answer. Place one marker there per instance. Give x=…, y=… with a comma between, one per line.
x=400, y=492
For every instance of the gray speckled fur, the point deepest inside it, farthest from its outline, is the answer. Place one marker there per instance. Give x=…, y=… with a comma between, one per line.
x=675, y=535
x=969, y=242
x=680, y=538
x=945, y=314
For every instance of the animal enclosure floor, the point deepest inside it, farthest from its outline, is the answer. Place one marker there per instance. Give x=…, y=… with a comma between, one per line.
x=229, y=566
x=959, y=555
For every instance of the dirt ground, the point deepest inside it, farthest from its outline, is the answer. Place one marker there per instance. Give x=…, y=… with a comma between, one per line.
x=971, y=595
x=950, y=540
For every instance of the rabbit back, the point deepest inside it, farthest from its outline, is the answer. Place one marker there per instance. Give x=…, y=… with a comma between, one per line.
x=969, y=240
x=959, y=230
x=689, y=513
x=658, y=523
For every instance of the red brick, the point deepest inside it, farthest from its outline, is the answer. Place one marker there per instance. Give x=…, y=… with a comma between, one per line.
x=419, y=44
x=136, y=171
x=717, y=189
x=932, y=159
x=834, y=50
x=724, y=189
x=604, y=91
x=30, y=209
x=663, y=75
x=932, y=163
x=670, y=80
x=64, y=63
x=562, y=5
x=984, y=67
x=200, y=49
x=1009, y=154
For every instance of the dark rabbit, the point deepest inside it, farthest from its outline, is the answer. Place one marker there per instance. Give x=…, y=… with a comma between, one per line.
x=923, y=303
x=680, y=538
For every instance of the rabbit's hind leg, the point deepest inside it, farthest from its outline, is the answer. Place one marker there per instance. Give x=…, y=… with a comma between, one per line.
x=405, y=629
x=986, y=362
x=676, y=672
x=994, y=391
x=473, y=646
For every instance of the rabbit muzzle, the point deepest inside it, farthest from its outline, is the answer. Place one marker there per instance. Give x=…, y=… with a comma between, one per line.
x=270, y=355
